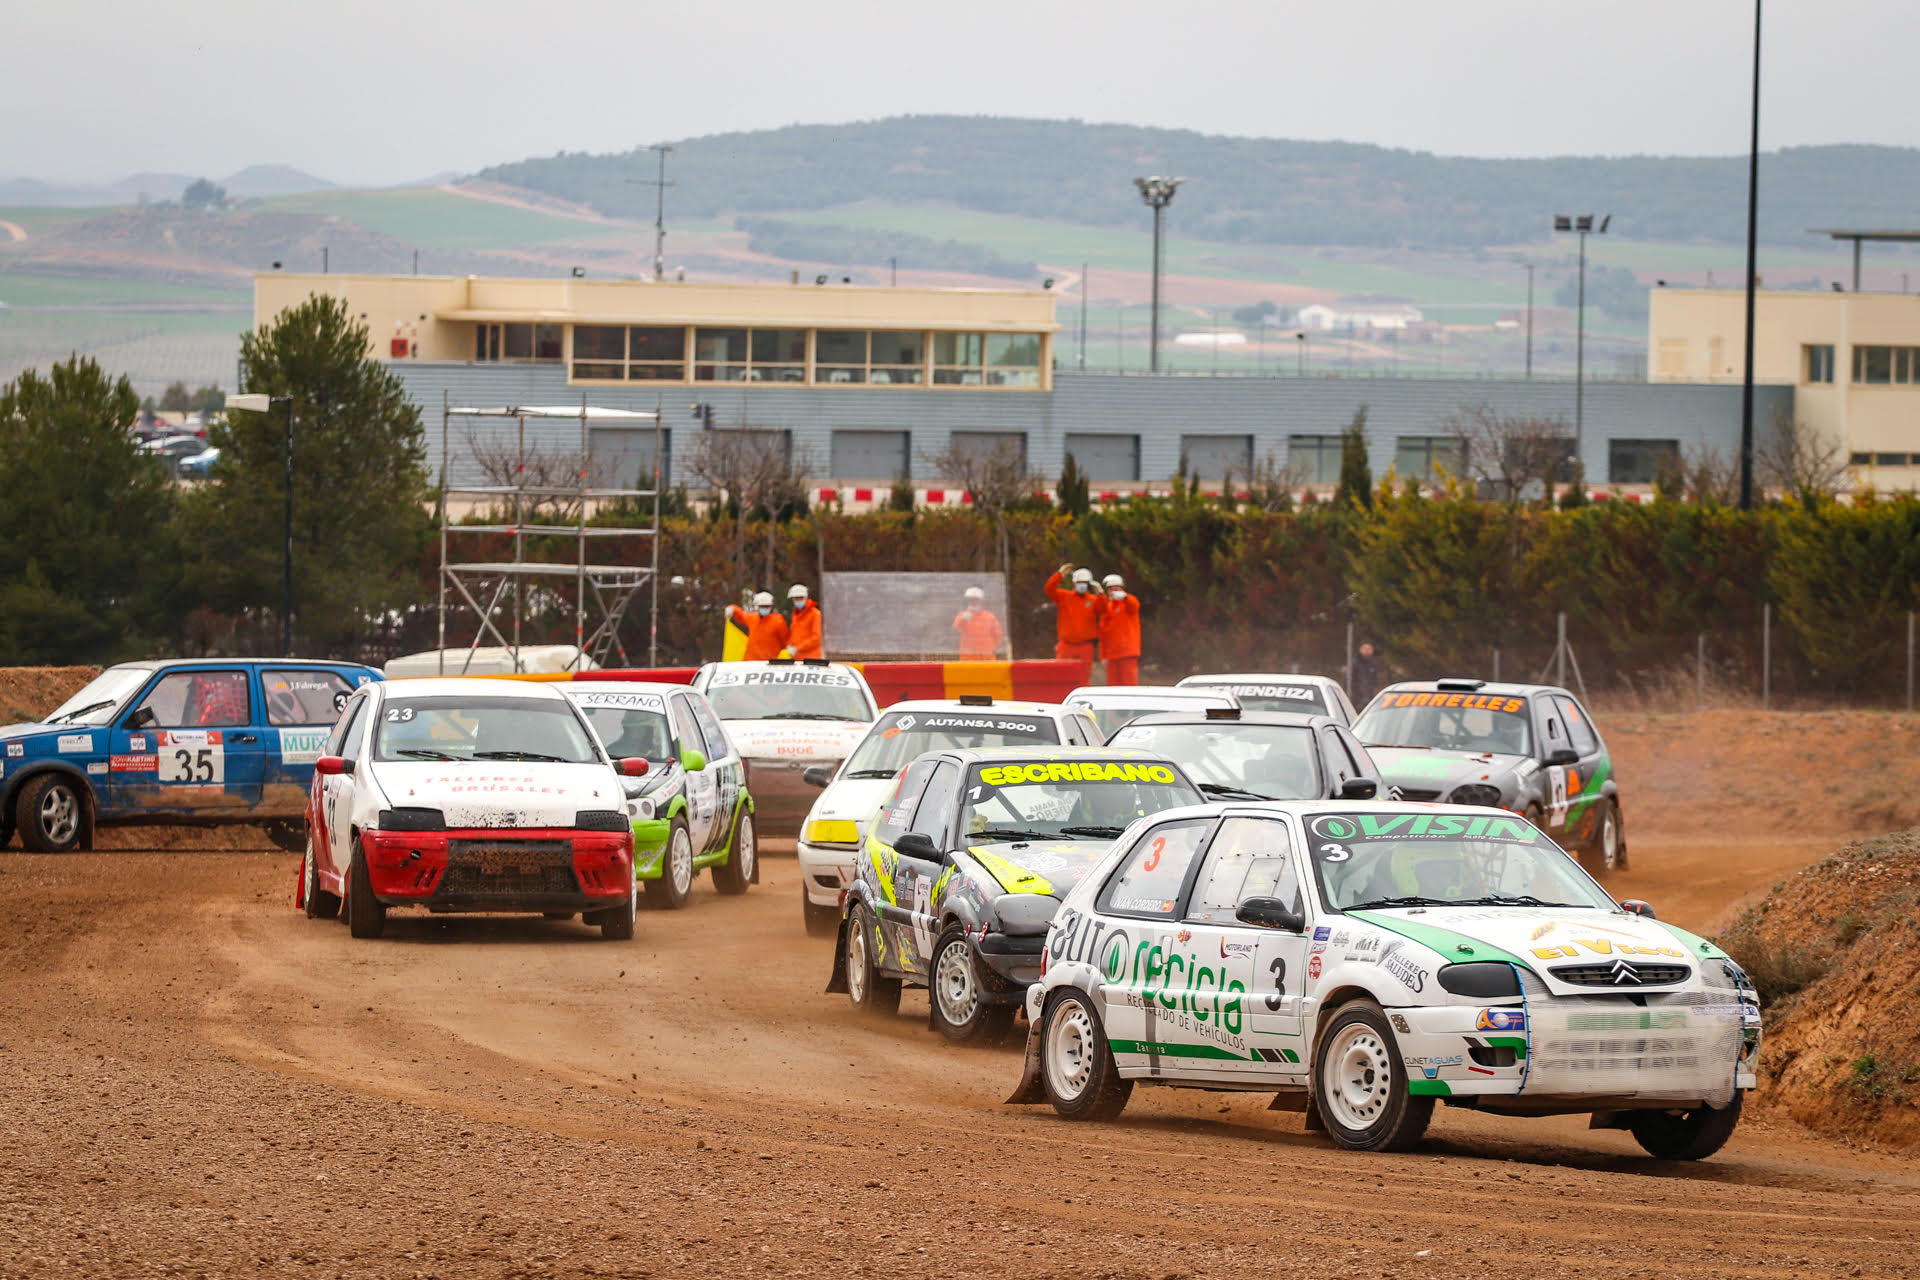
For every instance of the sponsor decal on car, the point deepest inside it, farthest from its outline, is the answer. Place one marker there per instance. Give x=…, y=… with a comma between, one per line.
x=133, y=763
x=1570, y=950
x=1417, y=826
x=1410, y=975
x=1322, y=932
x=96, y=766
x=302, y=746
x=1501, y=1020
x=783, y=675
x=1296, y=692
x=1087, y=771
x=627, y=700
x=1313, y=966
x=1474, y=701
x=16, y=749
x=72, y=742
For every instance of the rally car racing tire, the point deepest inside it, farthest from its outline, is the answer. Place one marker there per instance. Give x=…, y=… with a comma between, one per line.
x=616, y=923
x=1687, y=1135
x=958, y=991
x=870, y=990
x=287, y=834
x=366, y=914
x=320, y=904
x=743, y=859
x=675, y=884
x=51, y=813
x=1360, y=1083
x=1081, y=1078
x=822, y=922
x=1609, y=852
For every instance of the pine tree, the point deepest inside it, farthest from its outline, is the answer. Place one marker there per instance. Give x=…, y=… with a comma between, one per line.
x=1356, y=474
x=1075, y=493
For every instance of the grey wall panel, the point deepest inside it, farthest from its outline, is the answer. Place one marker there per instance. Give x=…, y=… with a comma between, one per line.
x=1104, y=458
x=1213, y=457
x=1158, y=410
x=872, y=455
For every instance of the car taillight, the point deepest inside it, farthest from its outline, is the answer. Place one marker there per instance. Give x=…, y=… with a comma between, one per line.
x=1043, y=962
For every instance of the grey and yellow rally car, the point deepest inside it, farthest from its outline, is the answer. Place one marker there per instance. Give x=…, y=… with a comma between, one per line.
x=965, y=863
x=1529, y=748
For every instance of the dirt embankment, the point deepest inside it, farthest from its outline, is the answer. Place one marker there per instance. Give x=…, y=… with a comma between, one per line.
x=1835, y=951
x=27, y=693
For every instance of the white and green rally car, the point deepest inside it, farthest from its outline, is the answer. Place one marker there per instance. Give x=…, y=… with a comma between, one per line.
x=692, y=809
x=1366, y=960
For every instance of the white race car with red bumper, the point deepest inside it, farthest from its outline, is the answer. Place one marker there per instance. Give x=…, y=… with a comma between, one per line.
x=464, y=796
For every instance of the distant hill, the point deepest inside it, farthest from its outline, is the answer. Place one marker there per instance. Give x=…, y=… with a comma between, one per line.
x=272, y=180
x=254, y=180
x=1247, y=190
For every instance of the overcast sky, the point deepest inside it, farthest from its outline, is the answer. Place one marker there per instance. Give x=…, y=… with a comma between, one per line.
x=388, y=91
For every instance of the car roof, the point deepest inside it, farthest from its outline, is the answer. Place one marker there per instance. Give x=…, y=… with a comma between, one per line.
x=798, y=664
x=1310, y=808
x=1144, y=694
x=660, y=687
x=158, y=664
x=993, y=755
x=470, y=687
x=1210, y=678
x=1290, y=719
x=997, y=705
x=1463, y=684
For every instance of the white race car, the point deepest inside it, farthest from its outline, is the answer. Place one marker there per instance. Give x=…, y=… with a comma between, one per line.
x=1366, y=960
x=830, y=839
x=785, y=716
x=1308, y=695
x=468, y=795
x=1114, y=706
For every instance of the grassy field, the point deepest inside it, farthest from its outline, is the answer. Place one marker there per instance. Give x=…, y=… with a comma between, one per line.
x=35, y=289
x=436, y=219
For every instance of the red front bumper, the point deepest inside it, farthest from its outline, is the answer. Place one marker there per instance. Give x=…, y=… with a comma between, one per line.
x=539, y=869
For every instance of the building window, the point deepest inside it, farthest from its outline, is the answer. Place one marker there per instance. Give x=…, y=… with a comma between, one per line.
x=1859, y=459
x=778, y=355
x=1314, y=459
x=658, y=354
x=719, y=355
x=1423, y=458
x=1818, y=358
x=1105, y=459
x=600, y=351
x=1886, y=366
x=1673, y=358
x=899, y=358
x=1889, y=459
x=1641, y=461
x=840, y=356
x=530, y=341
x=957, y=359
x=1215, y=458
x=1013, y=359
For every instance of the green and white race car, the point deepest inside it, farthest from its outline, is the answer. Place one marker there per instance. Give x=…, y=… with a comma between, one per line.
x=692, y=809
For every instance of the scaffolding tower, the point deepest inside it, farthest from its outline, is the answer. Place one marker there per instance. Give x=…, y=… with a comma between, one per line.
x=489, y=586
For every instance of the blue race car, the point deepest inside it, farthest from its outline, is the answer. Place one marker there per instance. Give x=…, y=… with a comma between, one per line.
x=192, y=742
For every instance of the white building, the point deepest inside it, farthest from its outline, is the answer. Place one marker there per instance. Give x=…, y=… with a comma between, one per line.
x=1322, y=317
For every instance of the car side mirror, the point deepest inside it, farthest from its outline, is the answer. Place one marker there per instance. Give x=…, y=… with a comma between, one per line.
x=634, y=767
x=1637, y=907
x=916, y=844
x=332, y=766
x=1359, y=789
x=1563, y=755
x=817, y=775
x=142, y=718
x=692, y=761
x=1270, y=913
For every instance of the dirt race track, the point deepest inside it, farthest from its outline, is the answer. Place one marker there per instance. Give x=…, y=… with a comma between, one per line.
x=202, y=1082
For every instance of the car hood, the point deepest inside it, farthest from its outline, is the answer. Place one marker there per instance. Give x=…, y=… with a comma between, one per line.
x=1048, y=866
x=810, y=740
x=1429, y=770
x=1544, y=939
x=25, y=730
x=850, y=800
x=500, y=793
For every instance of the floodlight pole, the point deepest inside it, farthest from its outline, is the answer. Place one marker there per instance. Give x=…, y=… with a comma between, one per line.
x=1157, y=192
x=1529, y=322
x=660, y=186
x=286, y=576
x=1753, y=198
x=1582, y=225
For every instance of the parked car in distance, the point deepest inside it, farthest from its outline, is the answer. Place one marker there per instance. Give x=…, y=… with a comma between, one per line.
x=1259, y=755
x=1311, y=695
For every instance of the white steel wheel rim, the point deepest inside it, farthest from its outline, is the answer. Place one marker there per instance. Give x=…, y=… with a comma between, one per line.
x=1072, y=1049
x=1358, y=1077
x=954, y=986
x=1609, y=839
x=680, y=862
x=857, y=959
x=59, y=814
x=744, y=854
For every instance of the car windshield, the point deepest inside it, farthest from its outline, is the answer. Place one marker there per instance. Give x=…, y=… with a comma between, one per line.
x=95, y=703
x=1304, y=698
x=1470, y=722
x=787, y=695
x=1058, y=799
x=1443, y=859
x=1273, y=762
x=629, y=725
x=481, y=728
x=899, y=736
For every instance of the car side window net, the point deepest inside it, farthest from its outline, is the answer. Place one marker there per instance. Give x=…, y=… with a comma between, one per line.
x=1249, y=858
x=1151, y=876
x=199, y=700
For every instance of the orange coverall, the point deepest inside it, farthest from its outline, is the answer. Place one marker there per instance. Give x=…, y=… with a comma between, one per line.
x=1120, y=638
x=980, y=635
x=1078, y=623
x=766, y=637
x=804, y=634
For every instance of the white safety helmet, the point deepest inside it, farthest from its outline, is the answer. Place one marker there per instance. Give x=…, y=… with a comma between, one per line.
x=796, y=592
x=1083, y=579
x=975, y=593
x=763, y=601
x=1111, y=581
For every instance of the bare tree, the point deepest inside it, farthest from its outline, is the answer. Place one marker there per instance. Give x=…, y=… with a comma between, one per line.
x=1798, y=460
x=995, y=477
x=545, y=473
x=753, y=473
x=1271, y=483
x=1510, y=457
x=1703, y=474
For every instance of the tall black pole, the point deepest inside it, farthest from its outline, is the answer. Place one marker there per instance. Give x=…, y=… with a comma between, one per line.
x=1529, y=320
x=286, y=582
x=1580, y=357
x=1753, y=207
x=1083, y=317
x=1153, y=343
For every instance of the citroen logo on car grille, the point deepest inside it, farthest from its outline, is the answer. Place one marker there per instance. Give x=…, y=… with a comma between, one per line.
x=1624, y=973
